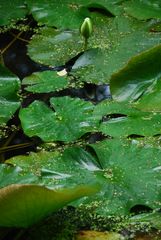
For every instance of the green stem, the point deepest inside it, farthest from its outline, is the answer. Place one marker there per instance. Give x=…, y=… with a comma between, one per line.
x=85, y=43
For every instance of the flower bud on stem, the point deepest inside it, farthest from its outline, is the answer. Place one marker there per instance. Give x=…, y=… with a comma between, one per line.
x=86, y=30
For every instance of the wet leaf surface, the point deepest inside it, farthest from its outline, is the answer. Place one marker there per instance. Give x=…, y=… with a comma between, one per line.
x=122, y=120
x=143, y=10
x=13, y=10
x=44, y=82
x=24, y=205
x=140, y=80
x=9, y=99
x=138, y=164
x=72, y=119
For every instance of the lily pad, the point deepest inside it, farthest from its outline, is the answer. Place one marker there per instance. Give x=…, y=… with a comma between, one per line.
x=13, y=10
x=14, y=175
x=24, y=205
x=140, y=78
x=154, y=218
x=72, y=119
x=9, y=99
x=44, y=82
x=143, y=10
x=122, y=120
x=132, y=177
x=69, y=14
x=55, y=47
x=25, y=197
x=110, y=38
x=129, y=178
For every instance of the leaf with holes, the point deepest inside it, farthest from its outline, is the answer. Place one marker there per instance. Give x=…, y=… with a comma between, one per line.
x=72, y=119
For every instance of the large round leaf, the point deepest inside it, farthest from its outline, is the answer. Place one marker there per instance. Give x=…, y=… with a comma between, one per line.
x=140, y=78
x=128, y=171
x=9, y=99
x=11, y=10
x=68, y=14
x=122, y=120
x=131, y=170
x=44, y=82
x=25, y=197
x=24, y=205
x=55, y=47
x=72, y=119
x=143, y=9
x=110, y=35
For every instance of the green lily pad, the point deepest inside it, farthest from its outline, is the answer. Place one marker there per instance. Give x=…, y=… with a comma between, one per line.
x=129, y=178
x=90, y=67
x=24, y=205
x=14, y=175
x=69, y=14
x=72, y=119
x=9, y=99
x=122, y=120
x=150, y=100
x=143, y=10
x=140, y=78
x=154, y=218
x=132, y=172
x=25, y=197
x=55, y=47
x=12, y=10
x=110, y=38
x=44, y=82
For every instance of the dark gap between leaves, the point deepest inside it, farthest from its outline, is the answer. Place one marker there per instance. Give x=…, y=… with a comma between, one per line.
x=137, y=209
